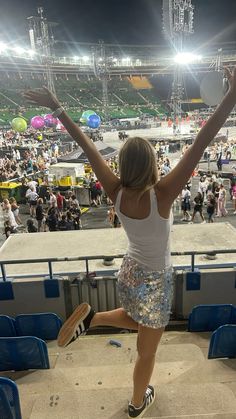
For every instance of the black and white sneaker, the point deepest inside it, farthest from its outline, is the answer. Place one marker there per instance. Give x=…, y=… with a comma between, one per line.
x=76, y=325
x=138, y=412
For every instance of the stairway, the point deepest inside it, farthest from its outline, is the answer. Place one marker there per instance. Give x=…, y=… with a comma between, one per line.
x=92, y=379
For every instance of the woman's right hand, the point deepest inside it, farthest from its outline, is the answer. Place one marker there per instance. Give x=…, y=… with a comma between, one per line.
x=42, y=97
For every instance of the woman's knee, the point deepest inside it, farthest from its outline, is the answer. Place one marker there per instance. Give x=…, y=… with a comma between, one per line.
x=147, y=342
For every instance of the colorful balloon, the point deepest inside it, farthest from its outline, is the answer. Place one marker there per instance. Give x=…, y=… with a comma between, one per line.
x=85, y=115
x=94, y=121
x=19, y=124
x=37, y=122
x=50, y=121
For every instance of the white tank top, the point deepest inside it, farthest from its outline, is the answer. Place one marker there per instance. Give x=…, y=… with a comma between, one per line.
x=148, y=238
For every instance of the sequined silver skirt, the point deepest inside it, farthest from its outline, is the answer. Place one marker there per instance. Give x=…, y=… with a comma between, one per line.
x=146, y=295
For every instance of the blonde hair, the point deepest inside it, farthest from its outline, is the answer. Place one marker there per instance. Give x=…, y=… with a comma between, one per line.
x=138, y=165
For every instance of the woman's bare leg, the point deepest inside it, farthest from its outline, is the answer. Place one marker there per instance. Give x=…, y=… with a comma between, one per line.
x=115, y=318
x=147, y=343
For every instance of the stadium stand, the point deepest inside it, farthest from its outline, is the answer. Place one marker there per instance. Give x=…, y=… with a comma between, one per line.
x=45, y=326
x=206, y=318
x=127, y=97
x=7, y=326
x=9, y=400
x=23, y=353
x=223, y=342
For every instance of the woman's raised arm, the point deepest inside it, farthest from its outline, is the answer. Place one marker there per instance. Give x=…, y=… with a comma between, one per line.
x=108, y=179
x=171, y=185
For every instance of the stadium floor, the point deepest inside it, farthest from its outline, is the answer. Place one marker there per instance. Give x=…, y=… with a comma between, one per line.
x=93, y=379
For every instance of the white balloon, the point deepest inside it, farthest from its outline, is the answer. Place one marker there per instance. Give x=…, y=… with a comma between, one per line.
x=213, y=88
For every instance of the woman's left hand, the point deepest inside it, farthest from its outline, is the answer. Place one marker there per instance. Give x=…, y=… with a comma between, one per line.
x=42, y=97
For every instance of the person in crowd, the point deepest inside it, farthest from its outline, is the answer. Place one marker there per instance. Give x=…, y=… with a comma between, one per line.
x=70, y=220
x=16, y=210
x=40, y=215
x=52, y=219
x=32, y=184
x=234, y=197
x=76, y=214
x=216, y=194
x=113, y=217
x=63, y=224
x=203, y=185
x=198, y=207
x=211, y=204
x=31, y=228
x=32, y=198
x=8, y=229
x=143, y=203
x=60, y=202
x=221, y=211
x=93, y=193
x=8, y=214
x=52, y=200
x=219, y=162
x=185, y=204
x=98, y=188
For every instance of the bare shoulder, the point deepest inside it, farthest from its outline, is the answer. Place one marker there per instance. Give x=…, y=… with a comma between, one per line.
x=163, y=203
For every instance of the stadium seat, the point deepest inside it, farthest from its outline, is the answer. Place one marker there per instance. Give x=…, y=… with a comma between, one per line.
x=223, y=342
x=23, y=353
x=7, y=326
x=45, y=326
x=206, y=318
x=9, y=400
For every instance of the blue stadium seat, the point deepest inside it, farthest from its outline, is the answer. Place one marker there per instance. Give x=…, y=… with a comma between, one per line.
x=23, y=353
x=45, y=326
x=206, y=318
x=233, y=320
x=9, y=400
x=7, y=326
x=223, y=342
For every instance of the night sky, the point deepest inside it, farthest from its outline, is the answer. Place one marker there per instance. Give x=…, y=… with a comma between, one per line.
x=116, y=21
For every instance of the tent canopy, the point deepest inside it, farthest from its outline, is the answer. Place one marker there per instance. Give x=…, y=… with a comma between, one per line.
x=79, y=156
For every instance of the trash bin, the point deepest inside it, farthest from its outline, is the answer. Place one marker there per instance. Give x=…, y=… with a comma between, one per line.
x=9, y=190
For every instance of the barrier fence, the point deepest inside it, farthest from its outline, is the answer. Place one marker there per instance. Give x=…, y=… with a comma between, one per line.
x=49, y=261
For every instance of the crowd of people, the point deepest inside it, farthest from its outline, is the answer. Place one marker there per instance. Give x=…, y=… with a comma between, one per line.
x=211, y=194
x=51, y=211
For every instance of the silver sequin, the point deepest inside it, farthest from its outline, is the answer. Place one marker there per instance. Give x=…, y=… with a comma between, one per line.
x=146, y=295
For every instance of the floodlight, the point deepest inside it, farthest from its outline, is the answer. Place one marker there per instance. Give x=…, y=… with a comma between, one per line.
x=19, y=50
x=85, y=58
x=76, y=57
x=114, y=60
x=125, y=59
x=184, y=58
x=31, y=52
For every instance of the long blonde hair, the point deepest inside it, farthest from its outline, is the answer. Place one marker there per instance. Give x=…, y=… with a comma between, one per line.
x=138, y=165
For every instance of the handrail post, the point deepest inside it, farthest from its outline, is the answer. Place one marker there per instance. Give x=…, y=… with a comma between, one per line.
x=4, y=276
x=50, y=269
x=192, y=261
x=87, y=267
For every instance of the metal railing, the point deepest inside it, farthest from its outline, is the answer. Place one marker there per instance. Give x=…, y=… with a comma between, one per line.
x=49, y=261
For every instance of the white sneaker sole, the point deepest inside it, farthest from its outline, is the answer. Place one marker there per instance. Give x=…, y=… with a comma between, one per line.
x=70, y=326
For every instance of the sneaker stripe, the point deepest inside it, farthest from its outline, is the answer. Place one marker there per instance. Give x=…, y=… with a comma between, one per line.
x=72, y=325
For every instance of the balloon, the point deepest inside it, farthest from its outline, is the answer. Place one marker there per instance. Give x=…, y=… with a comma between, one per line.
x=49, y=120
x=94, y=121
x=19, y=124
x=85, y=115
x=37, y=122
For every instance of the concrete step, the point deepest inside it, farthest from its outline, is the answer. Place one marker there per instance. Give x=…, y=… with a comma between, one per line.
x=93, y=380
x=181, y=402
